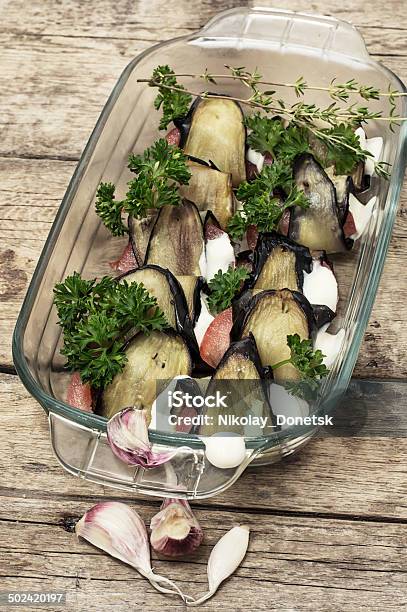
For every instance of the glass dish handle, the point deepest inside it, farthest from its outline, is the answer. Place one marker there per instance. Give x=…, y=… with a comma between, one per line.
x=283, y=27
x=85, y=452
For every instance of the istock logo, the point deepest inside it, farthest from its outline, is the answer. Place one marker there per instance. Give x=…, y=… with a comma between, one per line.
x=177, y=399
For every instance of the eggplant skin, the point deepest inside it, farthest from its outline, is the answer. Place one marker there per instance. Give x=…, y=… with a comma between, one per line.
x=177, y=240
x=298, y=260
x=214, y=131
x=192, y=287
x=322, y=314
x=271, y=316
x=168, y=291
x=152, y=360
x=317, y=227
x=140, y=232
x=343, y=185
x=240, y=377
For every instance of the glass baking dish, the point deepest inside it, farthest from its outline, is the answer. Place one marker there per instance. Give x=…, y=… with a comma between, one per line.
x=282, y=45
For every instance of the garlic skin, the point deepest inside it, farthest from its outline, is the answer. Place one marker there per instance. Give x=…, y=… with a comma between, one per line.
x=127, y=434
x=175, y=531
x=225, y=558
x=119, y=531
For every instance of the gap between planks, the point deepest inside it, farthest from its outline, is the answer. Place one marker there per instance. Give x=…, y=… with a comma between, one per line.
x=259, y=510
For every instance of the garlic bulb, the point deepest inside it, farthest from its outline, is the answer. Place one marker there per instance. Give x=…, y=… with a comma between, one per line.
x=119, y=531
x=225, y=558
x=127, y=434
x=174, y=529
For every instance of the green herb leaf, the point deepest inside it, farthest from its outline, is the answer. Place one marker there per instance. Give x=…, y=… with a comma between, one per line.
x=174, y=103
x=265, y=199
x=224, y=286
x=343, y=148
x=310, y=365
x=95, y=317
x=110, y=210
x=160, y=170
x=265, y=133
x=307, y=361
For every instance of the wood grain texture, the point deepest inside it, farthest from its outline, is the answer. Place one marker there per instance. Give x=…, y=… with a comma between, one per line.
x=329, y=525
x=306, y=541
x=335, y=476
x=290, y=561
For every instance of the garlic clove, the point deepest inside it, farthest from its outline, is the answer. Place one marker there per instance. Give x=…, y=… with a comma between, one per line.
x=127, y=434
x=224, y=451
x=116, y=529
x=174, y=529
x=119, y=531
x=225, y=558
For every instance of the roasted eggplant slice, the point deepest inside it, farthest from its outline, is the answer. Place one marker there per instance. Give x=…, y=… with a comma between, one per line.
x=318, y=227
x=177, y=241
x=323, y=315
x=271, y=316
x=192, y=286
x=343, y=185
x=213, y=131
x=163, y=285
x=279, y=263
x=152, y=360
x=357, y=175
x=140, y=232
x=210, y=189
x=239, y=377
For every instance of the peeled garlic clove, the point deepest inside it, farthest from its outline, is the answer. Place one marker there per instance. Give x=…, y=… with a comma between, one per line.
x=225, y=558
x=120, y=532
x=127, y=434
x=225, y=451
x=174, y=530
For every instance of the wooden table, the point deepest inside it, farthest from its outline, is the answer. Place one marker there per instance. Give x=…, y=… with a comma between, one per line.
x=329, y=526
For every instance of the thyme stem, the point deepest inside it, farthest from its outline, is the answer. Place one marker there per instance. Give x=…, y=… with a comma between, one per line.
x=345, y=114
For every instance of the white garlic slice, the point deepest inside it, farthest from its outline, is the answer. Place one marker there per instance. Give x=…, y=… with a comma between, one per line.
x=286, y=405
x=374, y=146
x=329, y=344
x=361, y=213
x=320, y=286
x=204, y=320
x=255, y=158
x=219, y=255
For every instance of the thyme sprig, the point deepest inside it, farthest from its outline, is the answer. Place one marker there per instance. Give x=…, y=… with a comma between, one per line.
x=301, y=113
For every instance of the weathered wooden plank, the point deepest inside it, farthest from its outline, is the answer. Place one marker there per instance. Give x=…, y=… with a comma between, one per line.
x=49, y=105
x=30, y=192
x=336, y=476
x=125, y=18
x=346, y=564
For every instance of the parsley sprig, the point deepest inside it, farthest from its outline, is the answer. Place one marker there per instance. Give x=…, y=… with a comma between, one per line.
x=95, y=318
x=175, y=104
x=265, y=199
x=340, y=143
x=224, y=286
x=308, y=362
x=159, y=171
